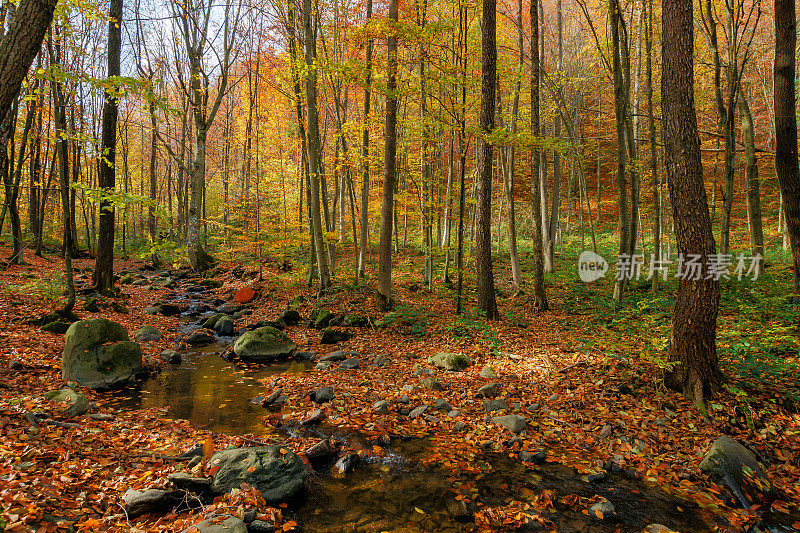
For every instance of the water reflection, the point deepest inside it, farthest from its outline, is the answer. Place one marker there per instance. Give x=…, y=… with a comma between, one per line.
x=208, y=391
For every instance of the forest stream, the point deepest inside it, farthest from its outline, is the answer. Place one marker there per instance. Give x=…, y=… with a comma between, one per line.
x=396, y=491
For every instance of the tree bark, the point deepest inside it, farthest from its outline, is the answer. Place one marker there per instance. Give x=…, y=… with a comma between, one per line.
x=389, y=163
x=314, y=154
x=754, y=217
x=362, y=252
x=483, y=235
x=106, y=172
x=694, y=320
x=539, y=295
x=786, y=164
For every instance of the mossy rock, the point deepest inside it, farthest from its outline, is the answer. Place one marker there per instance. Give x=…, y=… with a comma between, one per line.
x=450, y=361
x=322, y=319
x=99, y=354
x=264, y=344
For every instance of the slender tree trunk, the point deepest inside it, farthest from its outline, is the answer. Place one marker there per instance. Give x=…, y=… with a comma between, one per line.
x=694, y=319
x=106, y=172
x=314, y=153
x=786, y=164
x=389, y=164
x=362, y=253
x=751, y=177
x=653, y=147
x=557, y=166
x=539, y=295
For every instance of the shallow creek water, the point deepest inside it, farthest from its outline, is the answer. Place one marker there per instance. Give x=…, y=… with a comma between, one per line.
x=387, y=494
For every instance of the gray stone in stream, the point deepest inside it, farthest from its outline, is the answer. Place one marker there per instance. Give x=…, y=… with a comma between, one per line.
x=314, y=417
x=78, y=404
x=736, y=467
x=450, y=361
x=381, y=407
x=495, y=405
x=168, y=309
x=304, y=356
x=219, y=524
x=323, y=365
x=139, y=502
x=513, y=423
x=278, y=476
x=338, y=355
x=603, y=510
x=320, y=450
x=322, y=395
x=432, y=384
x=147, y=334
x=488, y=373
x=272, y=397
x=190, y=483
x=334, y=336
x=537, y=457
x=488, y=391
x=403, y=399
x=99, y=354
x=263, y=344
x=596, y=478
x=442, y=405
x=416, y=413
x=200, y=338
x=260, y=526
x=170, y=356
x=211, y=321
x=349, y=364
x=224, y=326
x=346, y=464
x=454, y=413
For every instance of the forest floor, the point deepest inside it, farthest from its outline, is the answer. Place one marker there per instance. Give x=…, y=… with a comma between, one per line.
x=586, y=375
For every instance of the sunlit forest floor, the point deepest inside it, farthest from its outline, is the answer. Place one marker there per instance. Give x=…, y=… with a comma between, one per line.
x=586, y=376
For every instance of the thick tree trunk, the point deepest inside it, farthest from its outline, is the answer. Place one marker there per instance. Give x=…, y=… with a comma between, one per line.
x=786, y=164
x=483, y=237
x=389, y=170
x=106, y=172
x=539, y=295
x=694, y=319
x=20, y=45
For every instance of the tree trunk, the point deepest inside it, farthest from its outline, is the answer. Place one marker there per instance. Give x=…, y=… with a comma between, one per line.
x=314, y=155
x=483, y=235
x=754, y=218
x=389, y=170
x=104, y=263
x=362, y=252
x=539, y=295
x=694, y=318
x=653, y=147
x=786, y=164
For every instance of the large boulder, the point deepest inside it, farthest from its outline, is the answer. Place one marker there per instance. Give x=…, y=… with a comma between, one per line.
x=278, y=473
x=99, y=354
x=263, y=344
x=736, y=467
